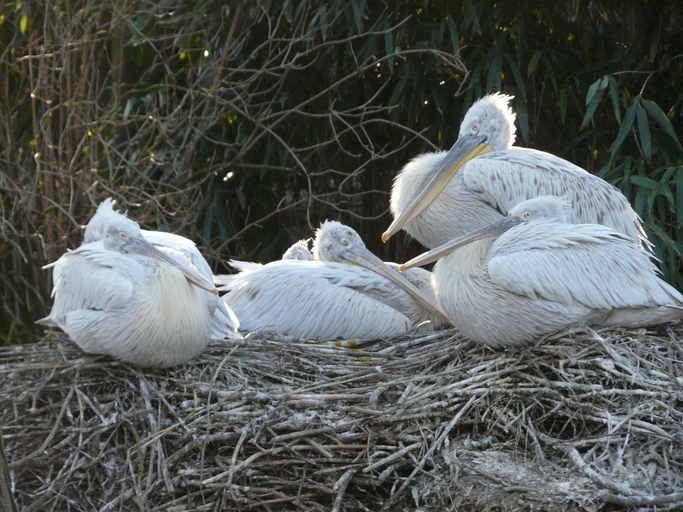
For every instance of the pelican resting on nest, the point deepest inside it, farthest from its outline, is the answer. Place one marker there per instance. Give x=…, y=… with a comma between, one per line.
x=440, y=196
x=144, y=297
x=344, y=292
x=537, y=273
x=297, y=251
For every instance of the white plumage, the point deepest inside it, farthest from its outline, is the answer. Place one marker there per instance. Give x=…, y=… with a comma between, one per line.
x=297, y=251
x=143, y=299
x=346, y=292
x=435, y=202
x=544, y=274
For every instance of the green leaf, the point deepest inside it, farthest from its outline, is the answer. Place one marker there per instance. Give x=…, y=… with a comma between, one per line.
x=436, y=35
x=592, y=91
x=679, y=197
x=135, y=26
x=358, y=7
x=595, y=100
x=23, y=24
x=563, y=106
x=453, y=30
x=644, y=182
x=128, y=108
x=640, y=204
x=389, y=47
x=493, y=77
x=514, y=68
x=623, y=131
x=523, y=118
x=323, y=22
x=550, y=74
x=398, y=90
x=614, y=97
x=626, y=175
x=533, y=62
x=439, y=96
x=668, y=174
x=660, y=118
x=288, y=9
x=664, y=190
x=664, y=237
x=644, y=130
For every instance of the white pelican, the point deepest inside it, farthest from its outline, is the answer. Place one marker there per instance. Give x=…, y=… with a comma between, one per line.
x=434, y=203
x=297, y=251
x=223, y=320
x=345, y=292
x=538, y=274
x=144, y=297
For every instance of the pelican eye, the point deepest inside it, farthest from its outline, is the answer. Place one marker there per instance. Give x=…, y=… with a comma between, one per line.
x=345, y=242
x=123, y=235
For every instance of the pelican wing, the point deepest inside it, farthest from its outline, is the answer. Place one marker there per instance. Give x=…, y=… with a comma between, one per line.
x=173, y=245
x=568, y=263
x=505, y=178
x=244, y=265
x=224, y=322
x=313, y=299
x=91, y=278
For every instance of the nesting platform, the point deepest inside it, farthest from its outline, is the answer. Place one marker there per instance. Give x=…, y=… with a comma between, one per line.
x=586, y=421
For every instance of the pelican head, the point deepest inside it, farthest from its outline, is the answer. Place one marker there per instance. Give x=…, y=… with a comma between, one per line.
x=542, y=208
x=298, y=251
x=335, y=241
x=104, y=217
x=124, y=236
x=488, y=125
x=491, y=117
x=551, y=208
x=339, y=243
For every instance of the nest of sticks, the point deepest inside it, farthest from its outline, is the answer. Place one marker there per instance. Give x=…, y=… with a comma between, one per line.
x=586, y=420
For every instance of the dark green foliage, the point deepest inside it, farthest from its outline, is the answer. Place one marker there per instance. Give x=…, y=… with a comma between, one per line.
x=244, y=124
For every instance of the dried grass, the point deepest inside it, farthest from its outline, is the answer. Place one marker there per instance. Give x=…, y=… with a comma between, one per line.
x=428, y=421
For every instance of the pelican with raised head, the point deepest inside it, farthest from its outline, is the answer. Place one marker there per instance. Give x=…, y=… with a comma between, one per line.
x=124, y=295
x=344, y=292
x=536, y=273
x=440, y=196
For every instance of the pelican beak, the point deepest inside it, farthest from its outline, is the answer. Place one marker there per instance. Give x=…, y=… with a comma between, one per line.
x=491, y=231
x=364, y=258
x=465, y=148
x=142, y=246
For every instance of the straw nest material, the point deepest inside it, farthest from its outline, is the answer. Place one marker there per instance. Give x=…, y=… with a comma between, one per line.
x=587, y=420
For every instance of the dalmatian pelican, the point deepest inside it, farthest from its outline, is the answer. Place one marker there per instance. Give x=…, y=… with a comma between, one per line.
x=440, y=196
x=145, y=297
x=538, y=273
x=344, y=291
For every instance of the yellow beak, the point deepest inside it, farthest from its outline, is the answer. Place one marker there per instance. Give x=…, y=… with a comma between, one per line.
x=465, y=149
x=491, y=231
